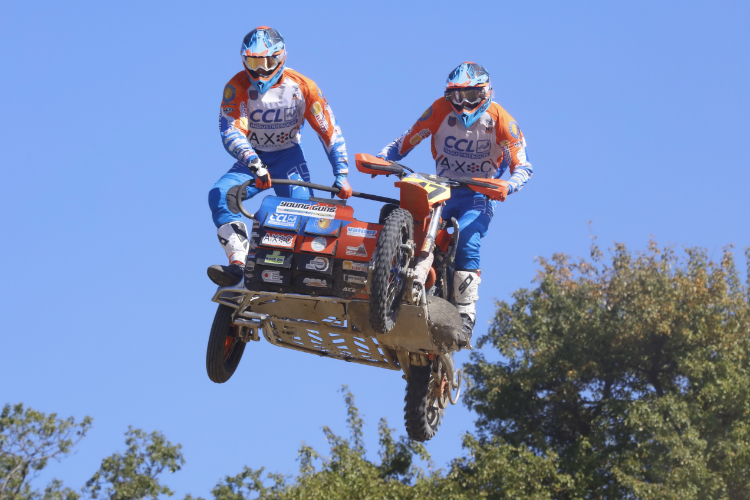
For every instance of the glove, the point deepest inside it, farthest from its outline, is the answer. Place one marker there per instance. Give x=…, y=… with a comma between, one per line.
x=262, y=177
x=345, y=189
x=500, y=196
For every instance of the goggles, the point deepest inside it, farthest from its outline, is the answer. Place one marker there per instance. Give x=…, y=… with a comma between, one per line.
x=471, y=96
x=265, y=63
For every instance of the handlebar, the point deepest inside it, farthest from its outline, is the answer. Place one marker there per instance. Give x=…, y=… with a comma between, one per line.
x=319, y=187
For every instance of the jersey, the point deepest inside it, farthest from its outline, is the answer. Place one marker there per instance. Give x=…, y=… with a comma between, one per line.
x=489, y=147
x=251, y=122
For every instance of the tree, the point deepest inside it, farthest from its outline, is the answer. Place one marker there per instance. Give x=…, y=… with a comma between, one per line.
x=134, y=475
x=28, y=441
x=633, y=378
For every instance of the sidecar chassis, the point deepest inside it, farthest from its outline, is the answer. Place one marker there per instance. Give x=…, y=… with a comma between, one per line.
x=330, y=326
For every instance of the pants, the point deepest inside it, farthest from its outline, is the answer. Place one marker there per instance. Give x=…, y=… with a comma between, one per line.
x=473, y=211
x=285, y=164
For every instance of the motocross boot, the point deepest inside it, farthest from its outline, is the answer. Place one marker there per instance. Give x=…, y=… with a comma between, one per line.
x=234, y=240
x=466, y=293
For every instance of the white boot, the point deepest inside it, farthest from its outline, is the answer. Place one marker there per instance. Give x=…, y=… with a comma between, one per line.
x=234, y=241
x=466, y=294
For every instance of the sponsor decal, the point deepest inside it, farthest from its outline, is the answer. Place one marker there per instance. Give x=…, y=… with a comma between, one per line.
x=322, y=223
x=273, y=139
x=317, y=111
x=283, y=220
x=243, y=123
x=227, y=110
x=514, y=130
x=229, y=93
x=243, y=109
x=278, y=240
x=426, y=114
x=253, y=95
x=276, y=118
x=270, y=276
x=350, y=289
x=359, y=251
x=355, y=266
x=318, y=244
x=320, y=264
x=320, y=211
x=465, y=148
x=274, y=257
x=451, y=121
x=361, y=232
x=316, y=282
x=360, y=280
x=415, y=140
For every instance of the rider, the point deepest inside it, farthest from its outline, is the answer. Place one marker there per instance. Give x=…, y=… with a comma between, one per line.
x=262, y=113
x=471, y=137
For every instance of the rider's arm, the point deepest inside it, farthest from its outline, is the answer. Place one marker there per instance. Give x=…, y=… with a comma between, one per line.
x=426, y=125
x=320, y=117
x=233, y=123
x=513, y=143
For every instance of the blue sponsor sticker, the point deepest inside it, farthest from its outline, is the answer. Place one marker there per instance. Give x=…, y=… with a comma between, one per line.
x=451, y=121
x=253, y=95
x=323, y=226
x=282, y=221
x=426, y=114
x=229, y=93
x=514, y=130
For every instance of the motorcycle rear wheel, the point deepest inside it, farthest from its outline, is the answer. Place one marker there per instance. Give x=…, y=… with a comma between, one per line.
x=422, y=413
x=390, y=262
x=224, y=349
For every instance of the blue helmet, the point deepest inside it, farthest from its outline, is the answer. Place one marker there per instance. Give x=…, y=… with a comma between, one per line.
x=469, y=91
x=264, y=56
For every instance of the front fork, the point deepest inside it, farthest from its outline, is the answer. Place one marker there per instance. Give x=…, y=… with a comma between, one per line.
x=417, y=276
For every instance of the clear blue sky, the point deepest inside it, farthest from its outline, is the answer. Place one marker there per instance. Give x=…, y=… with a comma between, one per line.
x=635, y=113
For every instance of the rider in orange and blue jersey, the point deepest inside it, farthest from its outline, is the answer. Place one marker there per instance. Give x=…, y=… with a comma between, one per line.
x=262, y=113
x=471, y=137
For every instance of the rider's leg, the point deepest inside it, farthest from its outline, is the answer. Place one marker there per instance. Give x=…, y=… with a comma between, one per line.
x=232, y=232
x=474, y=213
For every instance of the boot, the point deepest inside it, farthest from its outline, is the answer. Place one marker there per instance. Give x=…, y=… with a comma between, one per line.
x=466, y=293
x=233, y=238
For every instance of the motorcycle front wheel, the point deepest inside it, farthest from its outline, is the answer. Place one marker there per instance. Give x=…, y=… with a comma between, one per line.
x=390, y=263
x=225, y=348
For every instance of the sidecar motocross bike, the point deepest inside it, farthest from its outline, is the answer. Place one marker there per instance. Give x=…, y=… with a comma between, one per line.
x=319, y=281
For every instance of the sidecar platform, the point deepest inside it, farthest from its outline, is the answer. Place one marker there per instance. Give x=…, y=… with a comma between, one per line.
x=339, y=328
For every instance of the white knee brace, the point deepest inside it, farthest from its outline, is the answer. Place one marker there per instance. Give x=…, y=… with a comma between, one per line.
x=466, y=291
x=234, y=240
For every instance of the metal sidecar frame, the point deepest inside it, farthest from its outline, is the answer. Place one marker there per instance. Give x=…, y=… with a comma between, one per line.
x=339, y=328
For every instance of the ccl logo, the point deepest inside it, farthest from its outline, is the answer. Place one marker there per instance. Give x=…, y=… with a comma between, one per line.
x=467, y=146
x=278, y=115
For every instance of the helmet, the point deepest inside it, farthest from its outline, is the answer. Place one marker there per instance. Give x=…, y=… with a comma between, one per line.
x=469, y=91
x=263, y=55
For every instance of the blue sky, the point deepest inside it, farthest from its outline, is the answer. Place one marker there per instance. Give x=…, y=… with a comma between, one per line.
x=635, y=115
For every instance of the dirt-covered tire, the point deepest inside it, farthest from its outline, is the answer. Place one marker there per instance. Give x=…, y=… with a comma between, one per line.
x=390, y=262
x=422, y=415
x=224, y=347
x=385, y=211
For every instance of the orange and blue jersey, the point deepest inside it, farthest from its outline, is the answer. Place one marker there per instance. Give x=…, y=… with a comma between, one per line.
x=252, y=124
x=491, y=145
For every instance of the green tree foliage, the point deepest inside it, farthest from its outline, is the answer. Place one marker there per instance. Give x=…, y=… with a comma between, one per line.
x=28, y=441
x=134, y=475
x=629, y=379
